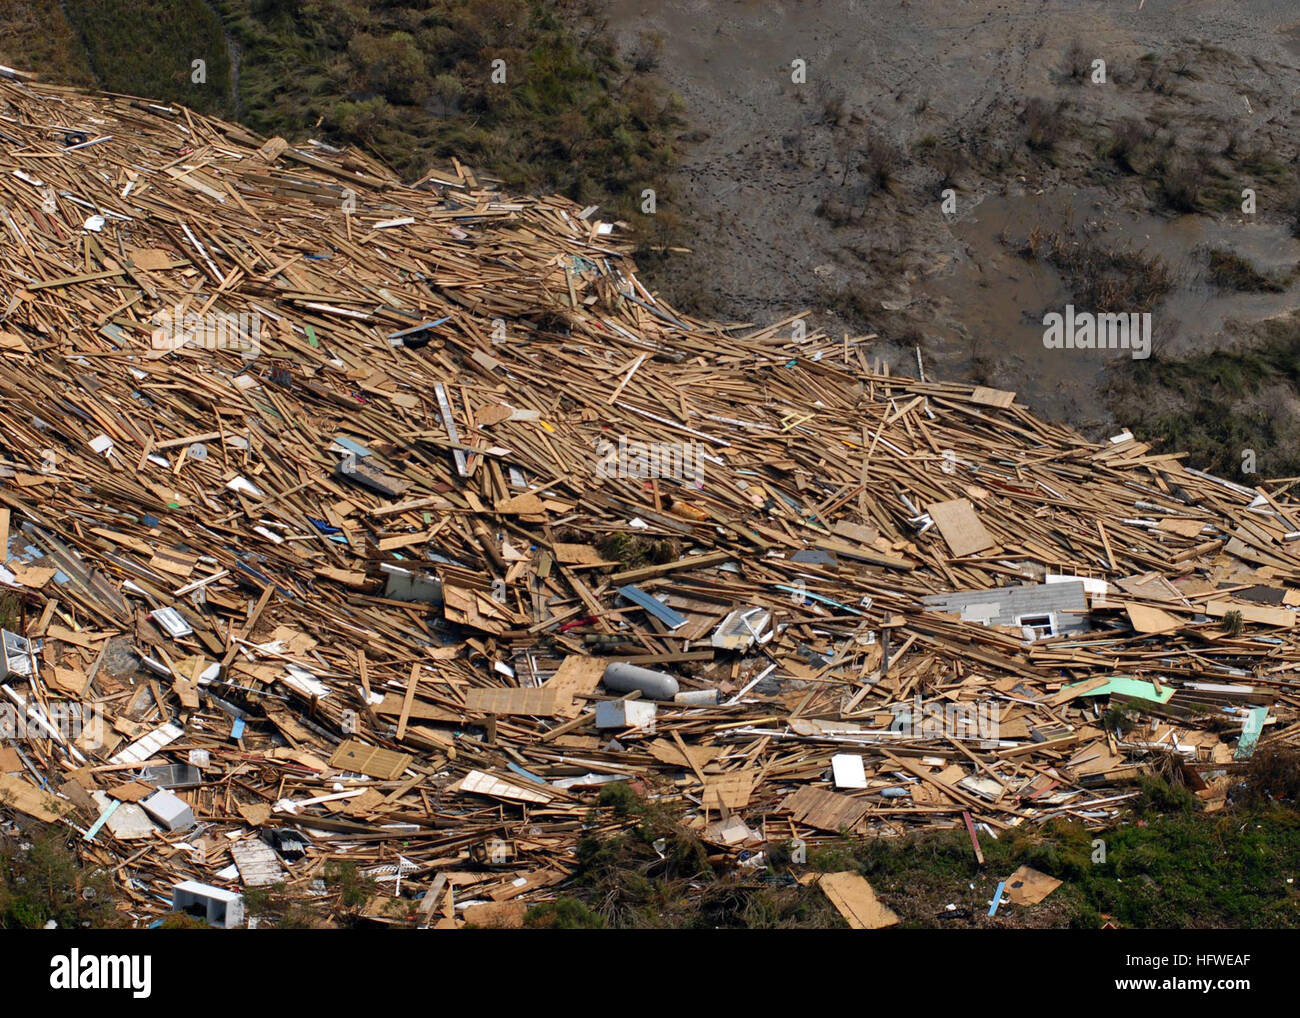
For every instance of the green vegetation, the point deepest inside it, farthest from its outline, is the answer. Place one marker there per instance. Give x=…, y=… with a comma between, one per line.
x=562, y=914
x=35, y=35
x=181, y=921
x=148, y=48
x=415, y=84
x=1118, y=720
x=41, y=880
x=1215, y=405
x=411, y=83
x=354, y=888
x=657, y=874
x=275, y=907
x=1168, y=866
x=11, y=611
x=632, y=551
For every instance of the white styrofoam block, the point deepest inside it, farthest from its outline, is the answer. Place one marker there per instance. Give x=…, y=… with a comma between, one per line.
x=848, y=771
x=625, y=714
x=169, y=809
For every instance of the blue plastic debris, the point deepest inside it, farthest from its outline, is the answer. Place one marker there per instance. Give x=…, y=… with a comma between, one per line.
x=997, y=897
x=670, y=618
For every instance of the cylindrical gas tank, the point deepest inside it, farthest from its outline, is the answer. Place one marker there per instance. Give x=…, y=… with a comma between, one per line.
x=625, y=678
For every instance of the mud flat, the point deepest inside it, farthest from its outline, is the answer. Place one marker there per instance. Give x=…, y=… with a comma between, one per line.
x=828, y=193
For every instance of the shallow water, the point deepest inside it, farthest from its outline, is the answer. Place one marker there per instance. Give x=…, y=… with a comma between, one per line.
x=999, y=298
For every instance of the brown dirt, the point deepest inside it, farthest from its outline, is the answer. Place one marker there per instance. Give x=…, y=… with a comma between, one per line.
x=948, y=83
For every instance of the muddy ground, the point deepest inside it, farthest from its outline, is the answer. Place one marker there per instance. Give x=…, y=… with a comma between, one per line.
x=827, y=194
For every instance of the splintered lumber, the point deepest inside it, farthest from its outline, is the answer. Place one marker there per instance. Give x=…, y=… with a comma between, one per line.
x=327, y=500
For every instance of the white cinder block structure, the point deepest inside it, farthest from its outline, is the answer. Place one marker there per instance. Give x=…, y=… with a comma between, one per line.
x=223, y=909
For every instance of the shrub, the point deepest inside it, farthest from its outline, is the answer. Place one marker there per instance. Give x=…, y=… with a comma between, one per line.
x=1131, y=138
x=1230, y=271
x=1180, y=180
x=41, y=879
x=1044, y=124
x=1077, y=64
x=1274, y=773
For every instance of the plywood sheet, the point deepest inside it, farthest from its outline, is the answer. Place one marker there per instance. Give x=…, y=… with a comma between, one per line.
x=539, y=701
x=355, y=755
x=1146, y=619
x=480, y=783
x=985, y=396
x=1252, y=613
x=961, y=527
x=576, y=676
x=856, y=901
x=731, y=790
x=27, y=798
x=667, y=752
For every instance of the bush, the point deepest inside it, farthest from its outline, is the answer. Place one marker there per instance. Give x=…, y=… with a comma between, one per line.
x=1120, y=280
x=1180, y=179
x=41, y=879
x=391, y=65
x=880, y=160
x=562, y=914
x=1077, y=64
x=1161, y=796
x=354, y=888
x=1044, y=125
x=1131, y=139
x=1274, y=773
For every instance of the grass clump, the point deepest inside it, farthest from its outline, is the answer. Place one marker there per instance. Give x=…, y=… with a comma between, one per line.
x=1273, y=774
x=562, y=914
x=1103, y=279
x=1044, y=125
x=1230, y=271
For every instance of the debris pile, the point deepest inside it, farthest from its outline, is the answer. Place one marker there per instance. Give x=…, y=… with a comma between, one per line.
x=346, y=520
